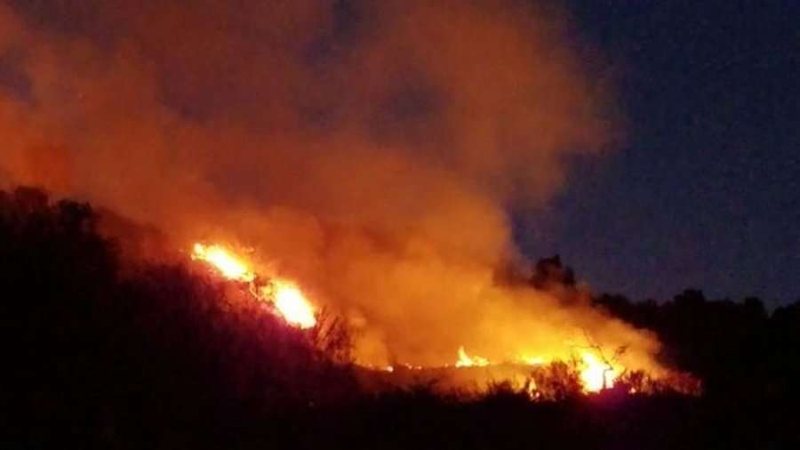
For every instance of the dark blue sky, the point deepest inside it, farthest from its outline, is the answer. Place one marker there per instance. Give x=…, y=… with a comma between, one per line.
x=704, y=191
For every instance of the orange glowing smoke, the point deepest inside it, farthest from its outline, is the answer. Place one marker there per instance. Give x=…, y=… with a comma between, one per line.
x=290, y=303
x=285, y=296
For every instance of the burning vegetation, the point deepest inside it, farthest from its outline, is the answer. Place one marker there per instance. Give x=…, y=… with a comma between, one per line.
x=369, y=155
x=589, y=366
x=369, y=164
x=108, y=351
x=286, y=299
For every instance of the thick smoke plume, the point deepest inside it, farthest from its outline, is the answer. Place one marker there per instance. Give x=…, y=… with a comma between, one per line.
x=369, y=150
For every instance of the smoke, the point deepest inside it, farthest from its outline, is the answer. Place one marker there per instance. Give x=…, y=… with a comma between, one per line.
x=368, y=149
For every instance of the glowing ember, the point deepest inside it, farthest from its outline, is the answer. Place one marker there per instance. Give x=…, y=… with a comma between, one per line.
x=596, y=375
x=292, y=304
x=465, y=360
x=226, y=262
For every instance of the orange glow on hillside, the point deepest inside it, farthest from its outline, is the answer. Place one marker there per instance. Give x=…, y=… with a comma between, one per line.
x=228, y=264
x=292, y=304
x=594, y=373
x=288, y=301
x=285, y=296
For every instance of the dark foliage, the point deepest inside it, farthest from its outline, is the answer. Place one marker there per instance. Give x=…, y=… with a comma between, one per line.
x=157, y=355
x=550, y=271
x=737, y=348
x=161, y=357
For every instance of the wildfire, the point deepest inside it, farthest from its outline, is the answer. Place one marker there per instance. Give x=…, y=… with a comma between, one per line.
x=595, y=374
x=228, y=264
x=465, y=360
x=285, y=296
x=289, y=302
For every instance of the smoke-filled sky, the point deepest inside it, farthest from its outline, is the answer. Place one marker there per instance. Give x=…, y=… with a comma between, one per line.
x=369, y=150
x=379, y=152
x=700, y=192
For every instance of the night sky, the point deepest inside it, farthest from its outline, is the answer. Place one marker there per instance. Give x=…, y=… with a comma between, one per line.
x=703, y=192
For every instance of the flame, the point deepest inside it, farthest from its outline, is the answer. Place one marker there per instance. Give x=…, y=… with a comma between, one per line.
x=465, y=360
x=292, y=304
x=285, y=296
x=533, y=360
x=228, y=264
x=596, y=374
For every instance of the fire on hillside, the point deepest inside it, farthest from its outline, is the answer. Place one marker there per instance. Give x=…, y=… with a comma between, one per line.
x=594, y=370
x=286, y=298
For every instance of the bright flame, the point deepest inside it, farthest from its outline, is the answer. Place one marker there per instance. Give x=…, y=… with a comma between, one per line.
x=287, y=298
x=292, y=304
x=596, y=375
x=226, y=262
x=465, y=360
x=533, y=360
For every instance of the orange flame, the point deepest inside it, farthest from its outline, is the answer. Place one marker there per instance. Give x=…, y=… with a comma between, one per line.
x=595, y=373
x=285, y=296
x=291, y=303
x=465, y=360
x=228, y=264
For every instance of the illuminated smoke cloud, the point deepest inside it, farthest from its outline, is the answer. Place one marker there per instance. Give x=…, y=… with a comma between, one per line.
x=369, y=150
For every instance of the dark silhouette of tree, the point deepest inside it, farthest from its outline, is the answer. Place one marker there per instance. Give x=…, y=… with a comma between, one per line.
x=735, y=347
x=550, y=271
